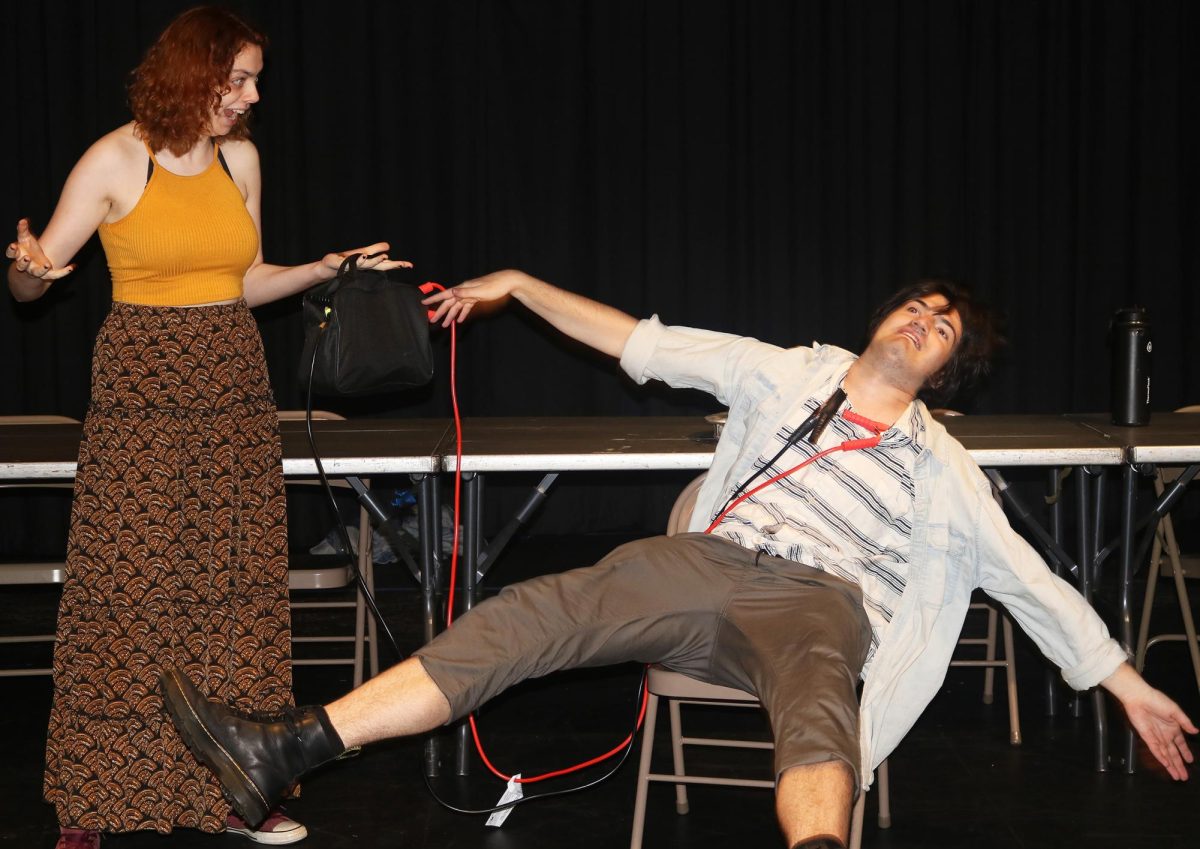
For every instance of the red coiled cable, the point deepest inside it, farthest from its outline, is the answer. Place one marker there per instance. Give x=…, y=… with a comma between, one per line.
x=427, y=288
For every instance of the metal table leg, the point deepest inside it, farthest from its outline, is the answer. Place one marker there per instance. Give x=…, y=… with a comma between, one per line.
x=429, y=537
x=1051, y=680
x=1128, y=500
x=1052, y=545
x=472, y=519
x=1086, y=575
x=476, y=562
x=1132, y=554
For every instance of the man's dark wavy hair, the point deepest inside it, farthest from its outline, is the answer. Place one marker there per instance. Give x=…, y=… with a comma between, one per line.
x=981, y=337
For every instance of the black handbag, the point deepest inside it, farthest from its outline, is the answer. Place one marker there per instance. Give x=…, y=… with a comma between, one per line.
x=365, y=331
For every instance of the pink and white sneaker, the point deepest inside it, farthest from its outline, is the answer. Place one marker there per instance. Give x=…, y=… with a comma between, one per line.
x=276, y=830
x=77, y=838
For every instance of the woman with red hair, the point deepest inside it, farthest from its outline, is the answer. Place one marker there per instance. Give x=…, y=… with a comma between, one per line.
x=177, y=554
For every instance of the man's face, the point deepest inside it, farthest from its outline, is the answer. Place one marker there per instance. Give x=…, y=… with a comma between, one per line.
x=918, y=339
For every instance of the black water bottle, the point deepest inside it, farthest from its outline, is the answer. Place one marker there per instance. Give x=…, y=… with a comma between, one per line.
x=1129, y=340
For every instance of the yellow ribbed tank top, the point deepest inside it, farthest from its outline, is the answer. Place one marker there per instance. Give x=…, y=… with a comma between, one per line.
x=188, y=240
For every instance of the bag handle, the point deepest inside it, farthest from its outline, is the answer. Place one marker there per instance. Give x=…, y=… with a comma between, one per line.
x=345, y=270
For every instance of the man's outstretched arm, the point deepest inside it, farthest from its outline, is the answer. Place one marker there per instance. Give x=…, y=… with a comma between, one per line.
x=1159, y=721
x=602, y=327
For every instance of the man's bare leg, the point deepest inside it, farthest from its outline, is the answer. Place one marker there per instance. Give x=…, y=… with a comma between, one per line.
x=815, y=800
x=404, y=700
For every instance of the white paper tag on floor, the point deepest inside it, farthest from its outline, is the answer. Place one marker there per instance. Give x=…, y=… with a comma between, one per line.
x=511, y=793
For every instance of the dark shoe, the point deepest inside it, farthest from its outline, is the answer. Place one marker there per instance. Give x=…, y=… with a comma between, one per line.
x=256, y=762
x=77, y=838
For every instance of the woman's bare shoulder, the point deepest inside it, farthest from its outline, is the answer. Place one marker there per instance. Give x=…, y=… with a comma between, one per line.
x=117, y=151
x=240, y=152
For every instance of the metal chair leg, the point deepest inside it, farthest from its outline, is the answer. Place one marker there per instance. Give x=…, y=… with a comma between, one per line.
x=989, y=674
x=1010, y=669
x=643, y=783
x=856, y=821
x=681, y=798
x=883, y=788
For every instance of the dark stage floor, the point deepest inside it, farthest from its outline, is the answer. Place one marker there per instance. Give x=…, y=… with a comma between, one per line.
x=956, y=782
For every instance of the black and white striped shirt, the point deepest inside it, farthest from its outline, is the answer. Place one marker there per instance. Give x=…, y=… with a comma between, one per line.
x=849, y=513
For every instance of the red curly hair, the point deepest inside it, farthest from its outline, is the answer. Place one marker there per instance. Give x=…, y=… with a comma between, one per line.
x=184, y=75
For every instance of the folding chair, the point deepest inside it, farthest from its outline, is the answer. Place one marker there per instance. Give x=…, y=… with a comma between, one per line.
x=1180, y=567
x=335, y=577
x=32, y=572
x=677, y=690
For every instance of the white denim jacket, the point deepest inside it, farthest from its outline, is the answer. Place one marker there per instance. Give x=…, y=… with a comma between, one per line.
x=961, y=538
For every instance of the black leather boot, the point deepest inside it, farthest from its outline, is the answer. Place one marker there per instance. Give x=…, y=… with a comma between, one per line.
x=256, y=762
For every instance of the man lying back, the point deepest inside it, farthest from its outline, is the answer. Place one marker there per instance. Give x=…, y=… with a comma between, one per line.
x=858, y=564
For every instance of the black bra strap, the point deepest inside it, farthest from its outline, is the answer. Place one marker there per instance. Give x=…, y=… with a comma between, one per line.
x=220, y=158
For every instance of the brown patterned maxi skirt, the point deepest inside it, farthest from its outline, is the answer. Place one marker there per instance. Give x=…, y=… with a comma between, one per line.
x=177, y=555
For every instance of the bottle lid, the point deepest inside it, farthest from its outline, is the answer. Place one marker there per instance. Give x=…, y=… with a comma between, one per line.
x=1130, y=315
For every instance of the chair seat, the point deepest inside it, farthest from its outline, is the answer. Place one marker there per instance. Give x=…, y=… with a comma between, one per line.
x=319, y=578
x=676, y=685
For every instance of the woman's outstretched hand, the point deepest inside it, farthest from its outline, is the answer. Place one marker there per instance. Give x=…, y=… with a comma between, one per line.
x=29, y=258
x=372, y=256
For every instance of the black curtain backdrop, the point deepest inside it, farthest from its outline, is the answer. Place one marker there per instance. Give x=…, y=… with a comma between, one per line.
x=765, y=168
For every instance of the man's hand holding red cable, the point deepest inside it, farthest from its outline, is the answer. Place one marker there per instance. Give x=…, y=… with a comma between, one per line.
x=595, y=324
x=454, y=305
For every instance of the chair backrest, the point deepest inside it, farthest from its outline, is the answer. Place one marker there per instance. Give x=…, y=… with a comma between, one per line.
x=34, y=572
x=681, y=511
x=320, y=578
x=318, y=416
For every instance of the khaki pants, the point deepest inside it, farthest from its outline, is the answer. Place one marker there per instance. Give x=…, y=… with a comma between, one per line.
x=701, y=605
